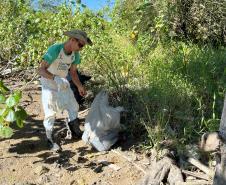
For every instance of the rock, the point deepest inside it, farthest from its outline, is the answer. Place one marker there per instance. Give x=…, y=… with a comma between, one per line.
x=98, y=169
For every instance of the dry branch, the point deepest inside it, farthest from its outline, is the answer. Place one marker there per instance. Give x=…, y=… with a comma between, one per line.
x=83, y=114
x=196, y=182
x=163, y=169
x=201, y=166
x=197, y=175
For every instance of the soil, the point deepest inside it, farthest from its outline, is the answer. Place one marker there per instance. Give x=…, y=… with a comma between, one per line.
x=25, y=158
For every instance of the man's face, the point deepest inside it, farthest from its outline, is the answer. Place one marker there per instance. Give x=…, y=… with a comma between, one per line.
x=76, y=44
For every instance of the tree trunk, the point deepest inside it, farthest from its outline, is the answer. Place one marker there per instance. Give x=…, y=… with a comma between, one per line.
x=220, y=173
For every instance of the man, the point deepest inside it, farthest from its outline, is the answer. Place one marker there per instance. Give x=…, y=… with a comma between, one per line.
x=56, y=92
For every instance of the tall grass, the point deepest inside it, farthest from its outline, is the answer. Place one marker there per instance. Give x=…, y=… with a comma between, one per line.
x=173, y=91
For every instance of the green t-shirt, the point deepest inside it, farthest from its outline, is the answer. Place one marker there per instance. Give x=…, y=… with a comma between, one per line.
x=53, y=53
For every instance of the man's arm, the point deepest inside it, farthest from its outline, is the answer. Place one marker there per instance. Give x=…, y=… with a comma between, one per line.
x=42, y=70
x=76, y=81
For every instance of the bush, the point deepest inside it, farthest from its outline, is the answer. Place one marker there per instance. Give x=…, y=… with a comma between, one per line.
x=10, y=111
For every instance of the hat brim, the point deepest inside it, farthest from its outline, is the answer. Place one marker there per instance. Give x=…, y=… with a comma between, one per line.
x=87, y=40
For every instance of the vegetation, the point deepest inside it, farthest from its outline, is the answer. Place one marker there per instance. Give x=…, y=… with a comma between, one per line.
x=163, y=60
x=10, y=110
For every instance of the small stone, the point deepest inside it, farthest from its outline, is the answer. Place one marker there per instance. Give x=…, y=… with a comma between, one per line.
x=98, y=169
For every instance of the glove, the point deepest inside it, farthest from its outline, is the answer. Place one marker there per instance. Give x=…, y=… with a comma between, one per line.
x=62, y=83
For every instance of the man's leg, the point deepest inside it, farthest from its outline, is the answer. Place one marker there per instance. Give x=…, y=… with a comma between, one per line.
x=72, y=109
x=48, y=124
x=50, y=114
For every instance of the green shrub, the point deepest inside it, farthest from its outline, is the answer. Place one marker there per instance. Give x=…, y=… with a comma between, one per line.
x=10, y=111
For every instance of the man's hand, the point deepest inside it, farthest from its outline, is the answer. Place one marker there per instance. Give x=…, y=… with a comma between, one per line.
x=62, y=83
x=76, y=81
x=82, y=91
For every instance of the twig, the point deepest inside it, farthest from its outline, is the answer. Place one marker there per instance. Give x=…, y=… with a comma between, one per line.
x=83, y=113
x=130, y=160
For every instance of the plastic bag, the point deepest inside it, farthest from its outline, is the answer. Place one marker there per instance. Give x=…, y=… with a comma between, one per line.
x=102, y=123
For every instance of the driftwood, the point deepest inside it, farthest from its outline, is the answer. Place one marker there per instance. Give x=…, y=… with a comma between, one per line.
x=201, y=166
x=163, y=169
x=175, y=175
x=220, y=173
x=196, y=174
x=196, y=182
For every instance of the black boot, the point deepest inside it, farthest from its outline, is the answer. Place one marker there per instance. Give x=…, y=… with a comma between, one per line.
x=51, y=144
x=74, y=128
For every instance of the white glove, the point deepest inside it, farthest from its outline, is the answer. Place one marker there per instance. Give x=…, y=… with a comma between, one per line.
x=62, y=83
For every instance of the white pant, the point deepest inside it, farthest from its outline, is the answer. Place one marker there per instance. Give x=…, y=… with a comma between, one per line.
x=54, y=101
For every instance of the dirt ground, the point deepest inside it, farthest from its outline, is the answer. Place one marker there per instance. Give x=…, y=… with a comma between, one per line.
x=26, y=160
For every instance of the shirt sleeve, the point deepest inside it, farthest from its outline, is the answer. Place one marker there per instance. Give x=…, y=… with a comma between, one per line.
x=77, y=59
x=51, y=54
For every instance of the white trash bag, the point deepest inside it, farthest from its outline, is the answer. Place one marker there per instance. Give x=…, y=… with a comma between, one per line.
x=102, y=123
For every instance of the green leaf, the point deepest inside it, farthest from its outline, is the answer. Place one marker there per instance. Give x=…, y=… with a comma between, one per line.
x=5, y=132
x=1, y=111
x=224, y=71
x=37, y=20
x=3, y=88
x=18, y=95
x=11, y=116
x=2, y=98
x=20, y=123
x=84, y=6
x=21, y=113
x=1, y=120
x=4, y=112
x=13, y=99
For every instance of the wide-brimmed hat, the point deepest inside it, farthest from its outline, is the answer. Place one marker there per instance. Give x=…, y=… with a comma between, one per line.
x=79, y=34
